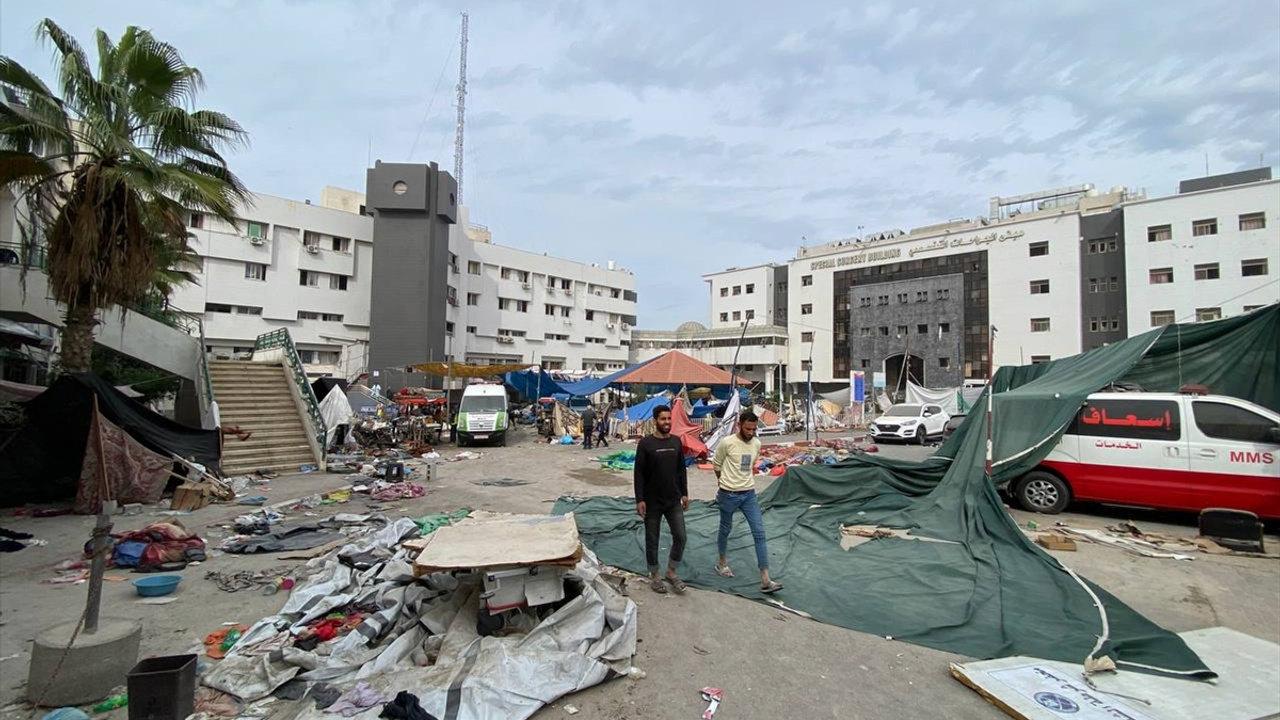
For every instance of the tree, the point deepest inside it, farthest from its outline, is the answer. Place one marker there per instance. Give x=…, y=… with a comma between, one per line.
x=106, y=172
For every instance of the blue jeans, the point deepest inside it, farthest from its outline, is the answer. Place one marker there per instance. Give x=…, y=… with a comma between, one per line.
x=729, y=503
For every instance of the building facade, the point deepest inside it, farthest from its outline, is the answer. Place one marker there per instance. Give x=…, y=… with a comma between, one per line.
x=1211, y=251
x=759, y=353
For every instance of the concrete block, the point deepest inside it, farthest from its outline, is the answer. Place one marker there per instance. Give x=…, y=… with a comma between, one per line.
x=94, y=665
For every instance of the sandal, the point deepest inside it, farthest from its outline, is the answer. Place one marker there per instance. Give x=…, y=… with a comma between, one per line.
x=724, y=571
x=678, y=585
x=658, y=587
x=771, y=588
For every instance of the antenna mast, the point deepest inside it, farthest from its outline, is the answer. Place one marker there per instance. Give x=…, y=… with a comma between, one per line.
x=462, y=109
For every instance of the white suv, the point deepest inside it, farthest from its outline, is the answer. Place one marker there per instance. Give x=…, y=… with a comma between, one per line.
x=911, y=422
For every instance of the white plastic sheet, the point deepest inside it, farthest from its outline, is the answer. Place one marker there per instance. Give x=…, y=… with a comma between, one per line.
x=335, y=410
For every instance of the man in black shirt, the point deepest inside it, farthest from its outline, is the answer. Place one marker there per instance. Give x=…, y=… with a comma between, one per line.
x=662, y=490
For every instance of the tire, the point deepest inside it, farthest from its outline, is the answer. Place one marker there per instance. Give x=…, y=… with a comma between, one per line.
x=1043, y=492
x=922, y=437
x=503, y=442
x=462, y=441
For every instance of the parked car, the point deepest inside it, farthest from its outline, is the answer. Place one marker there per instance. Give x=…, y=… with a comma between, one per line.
x=1162, y=450
x=910, y=422
x=953, y=423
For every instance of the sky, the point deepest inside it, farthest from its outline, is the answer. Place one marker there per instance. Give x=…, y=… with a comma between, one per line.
x=680, y=138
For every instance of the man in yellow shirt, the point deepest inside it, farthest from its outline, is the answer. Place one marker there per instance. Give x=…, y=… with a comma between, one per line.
x=735, y=463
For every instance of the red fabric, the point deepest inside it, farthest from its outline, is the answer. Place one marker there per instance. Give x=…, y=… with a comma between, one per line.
x=688, y=433
x=778, y=470
x=166, y=542
x=134, y=473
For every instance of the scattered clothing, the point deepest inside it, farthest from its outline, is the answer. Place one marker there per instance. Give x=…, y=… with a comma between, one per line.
x=245, y=579
x=292, y=690
x=405, y=707
x=299, y=538
x=399, y=491
x=15, y=535
x=216, y=644
x=504, y=482
x=357, y=700
x=325, y=695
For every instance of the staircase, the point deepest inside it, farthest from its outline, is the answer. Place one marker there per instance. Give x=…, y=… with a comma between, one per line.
x=255, y=396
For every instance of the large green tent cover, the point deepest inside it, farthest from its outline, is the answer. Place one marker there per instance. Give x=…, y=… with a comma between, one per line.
x=967, y=579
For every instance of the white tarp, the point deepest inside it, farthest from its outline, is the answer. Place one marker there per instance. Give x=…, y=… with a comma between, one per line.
x=423, y=638
x=949, y=398
x=728, y=424
x=335, y=410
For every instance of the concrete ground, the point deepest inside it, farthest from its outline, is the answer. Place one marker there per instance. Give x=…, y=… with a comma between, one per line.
x=770, y=664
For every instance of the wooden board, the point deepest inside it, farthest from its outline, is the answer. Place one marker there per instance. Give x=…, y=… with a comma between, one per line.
x=504, y=541
x=1245, y=690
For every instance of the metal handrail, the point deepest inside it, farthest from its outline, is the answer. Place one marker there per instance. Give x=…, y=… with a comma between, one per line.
x=281, y=339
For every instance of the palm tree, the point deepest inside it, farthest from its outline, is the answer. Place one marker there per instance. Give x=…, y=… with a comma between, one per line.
x=106, y=171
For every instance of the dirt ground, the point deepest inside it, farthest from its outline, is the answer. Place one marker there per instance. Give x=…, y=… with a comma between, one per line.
x=770, y=664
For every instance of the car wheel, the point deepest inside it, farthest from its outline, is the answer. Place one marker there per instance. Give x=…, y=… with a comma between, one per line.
x=1043, y=492
x=503, y=441
x=922, y=437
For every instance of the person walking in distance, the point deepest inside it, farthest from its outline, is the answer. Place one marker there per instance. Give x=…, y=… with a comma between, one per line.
x=735, y=462
x=602, y=440
x=588, y=426
x=662, y=491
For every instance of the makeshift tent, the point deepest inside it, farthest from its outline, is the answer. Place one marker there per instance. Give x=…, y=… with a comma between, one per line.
x=540, y=383
x=43, y=460
x=980, y=587
x=322, y=386
x=642, y=411
x=675, y=369
x=335, y=410
x=689, y=433
x=955, y=401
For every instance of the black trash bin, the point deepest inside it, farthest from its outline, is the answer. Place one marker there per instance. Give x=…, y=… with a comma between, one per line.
x=163, y=688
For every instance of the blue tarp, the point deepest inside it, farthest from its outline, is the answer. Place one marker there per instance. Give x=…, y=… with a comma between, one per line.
x=643, y=411
x=701, y=409
x=526, y=383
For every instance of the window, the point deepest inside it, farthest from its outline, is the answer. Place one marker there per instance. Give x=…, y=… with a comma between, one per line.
x=806, y=365
x=882, y=300
x=256, y=230
x=473, y=267
x=521, y=306
x=1207, y=271
x=566, y=284
x=1160, y=276
x=1159, y=233
x=1093, y=285
x=806, y=309
x=864, y=362
x=448, y=328
x=1093, y=324
x=248, y=310
x=451, y=294
x=507, y=273
x=564, y=310
x=473, y=299
x=751, y=288
x=1040, y=287
x=334, y=317
x=1115, y=324
x=1250, y=308
x=339, y=282
x=1115, y=284
x=1039, y=359
x=197, y=220
x=1039, y=324
x=1228, y=422
x=724, y=317
x=591, y=315
x=864, y=302
x=922, y=329
x=1253, y=268
x=737, y=315
x=737, y=289
x=258, y=271
x=309, y=239
x=1200, y=228
x=550, y=310
x=555, y=336
x=751, y=315
x=1248, y=221
x=308, y=315
x=944, y=362
x=1160, y=318
x=1208, y=314
x=902, y=330
x=453, y=259
x=1038, y=249
x=471, y=329
x=615, y=293
x=922, y=296
x=343, y=245
x=308, y=278
x=884, y=331
x=943, y=294
x=806, y=280
x=595, y=340
x=944, y=327
x=511, y=333
x=808, y=337
x=724, y=292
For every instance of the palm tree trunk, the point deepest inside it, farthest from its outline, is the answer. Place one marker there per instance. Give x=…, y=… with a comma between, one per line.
x=77, y=340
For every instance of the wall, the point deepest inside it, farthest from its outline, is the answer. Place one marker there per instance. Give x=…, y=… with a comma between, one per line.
x=729, y=309
x=878, y=335
x=1232, y=292
x=1103, y=318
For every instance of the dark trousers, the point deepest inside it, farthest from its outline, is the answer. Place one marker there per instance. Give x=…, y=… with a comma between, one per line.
x=653, y=534
x=587, y=430
x=602, y=437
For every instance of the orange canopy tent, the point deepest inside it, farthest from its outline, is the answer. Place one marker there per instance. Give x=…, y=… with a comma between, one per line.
x=676, y=368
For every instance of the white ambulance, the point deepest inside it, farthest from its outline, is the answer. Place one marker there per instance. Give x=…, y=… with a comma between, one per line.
x=482, y=414
x=1162, y=450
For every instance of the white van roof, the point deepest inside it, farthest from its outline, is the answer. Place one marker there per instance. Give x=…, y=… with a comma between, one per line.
x=485, y=390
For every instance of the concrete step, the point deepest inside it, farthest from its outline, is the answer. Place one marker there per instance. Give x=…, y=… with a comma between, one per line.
x=282, y=465
x=284, y=403
x=262, y=423
x=297, y=447
x=230, y=392
x=268, y=433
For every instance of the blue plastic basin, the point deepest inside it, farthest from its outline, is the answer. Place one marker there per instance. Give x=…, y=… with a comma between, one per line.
x=157, y=585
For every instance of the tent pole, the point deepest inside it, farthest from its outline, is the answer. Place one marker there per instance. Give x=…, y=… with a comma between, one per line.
x=101, y=529
x=991, y=344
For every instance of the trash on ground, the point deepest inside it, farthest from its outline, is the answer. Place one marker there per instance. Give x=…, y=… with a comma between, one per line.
x=713, y=696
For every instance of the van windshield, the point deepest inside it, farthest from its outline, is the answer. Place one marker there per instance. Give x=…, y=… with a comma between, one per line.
x=483, y=403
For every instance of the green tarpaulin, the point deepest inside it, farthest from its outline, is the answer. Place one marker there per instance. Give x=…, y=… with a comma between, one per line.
x=973, y=583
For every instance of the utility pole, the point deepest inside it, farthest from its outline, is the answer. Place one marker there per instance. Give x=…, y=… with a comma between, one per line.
x=462, y=109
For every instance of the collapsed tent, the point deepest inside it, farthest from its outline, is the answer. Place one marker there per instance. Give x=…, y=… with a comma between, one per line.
x=335, y=410
x=965, y=578
x=44, y=459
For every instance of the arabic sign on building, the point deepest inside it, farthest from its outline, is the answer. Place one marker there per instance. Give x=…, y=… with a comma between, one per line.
x=872, y=256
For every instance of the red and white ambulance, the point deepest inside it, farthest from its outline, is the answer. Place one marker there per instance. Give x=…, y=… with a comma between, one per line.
x=1162, y=450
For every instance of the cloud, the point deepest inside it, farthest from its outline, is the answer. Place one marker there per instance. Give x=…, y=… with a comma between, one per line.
x=605, y=130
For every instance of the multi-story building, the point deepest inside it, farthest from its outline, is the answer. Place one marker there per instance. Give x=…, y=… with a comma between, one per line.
x=752, y=294
x=1211, y=251
x=309, y=268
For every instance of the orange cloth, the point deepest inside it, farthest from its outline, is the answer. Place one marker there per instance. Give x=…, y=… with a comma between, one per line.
x=213, y=641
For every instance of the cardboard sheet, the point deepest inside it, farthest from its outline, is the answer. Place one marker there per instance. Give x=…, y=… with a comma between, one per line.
x=1032, y=689
x=504, y=541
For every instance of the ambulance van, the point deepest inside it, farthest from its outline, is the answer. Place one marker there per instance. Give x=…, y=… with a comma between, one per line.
x=1162, y=450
